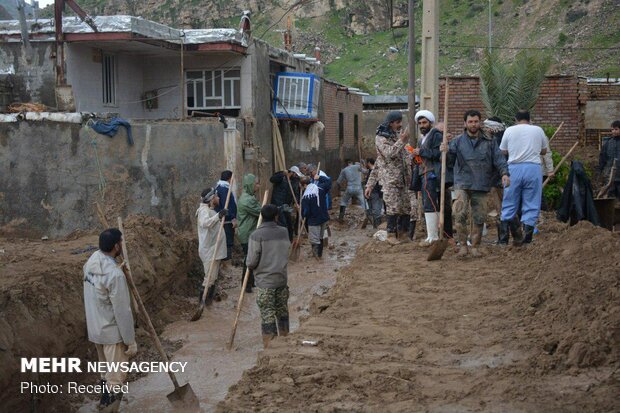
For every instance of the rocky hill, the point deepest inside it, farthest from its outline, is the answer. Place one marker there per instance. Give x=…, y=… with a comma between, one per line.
x=359, y=46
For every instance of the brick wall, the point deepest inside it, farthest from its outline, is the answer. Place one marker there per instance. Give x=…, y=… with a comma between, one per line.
x=604, y=97
x=339, y=101
x=559, y=101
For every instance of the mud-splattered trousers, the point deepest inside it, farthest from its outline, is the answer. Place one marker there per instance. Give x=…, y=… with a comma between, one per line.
x=273, y=306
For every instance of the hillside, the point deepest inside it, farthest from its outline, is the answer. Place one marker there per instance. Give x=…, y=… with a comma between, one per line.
x=355, y=36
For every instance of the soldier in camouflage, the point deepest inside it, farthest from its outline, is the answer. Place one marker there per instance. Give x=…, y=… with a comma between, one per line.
x=392, y=171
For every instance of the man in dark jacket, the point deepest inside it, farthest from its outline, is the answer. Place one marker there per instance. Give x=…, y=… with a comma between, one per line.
x=375, y=200
x=314, y=209
x=282, y=197
x=230, y=223
x=430, y=171
x=476, y=159
x=268, y=256
x=610, y=152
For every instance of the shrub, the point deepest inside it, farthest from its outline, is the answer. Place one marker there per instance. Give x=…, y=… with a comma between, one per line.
x=575, y=14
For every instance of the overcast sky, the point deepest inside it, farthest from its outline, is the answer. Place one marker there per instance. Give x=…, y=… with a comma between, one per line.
x=44, y=3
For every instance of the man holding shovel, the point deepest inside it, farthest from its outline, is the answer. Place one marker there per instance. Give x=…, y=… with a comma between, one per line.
x=208, y=222
x=268, y=252
x=108, y=312
x=475, y=158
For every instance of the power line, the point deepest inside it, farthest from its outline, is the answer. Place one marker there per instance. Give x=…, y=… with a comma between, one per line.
x=469, y=46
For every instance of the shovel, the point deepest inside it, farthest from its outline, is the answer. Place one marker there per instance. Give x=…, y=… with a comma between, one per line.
x=183, y=397
x=201, y=307
x=439, y=247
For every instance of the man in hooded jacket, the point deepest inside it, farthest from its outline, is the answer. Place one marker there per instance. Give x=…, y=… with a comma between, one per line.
x=248, y=211
x=208, y=222
x=109, y=320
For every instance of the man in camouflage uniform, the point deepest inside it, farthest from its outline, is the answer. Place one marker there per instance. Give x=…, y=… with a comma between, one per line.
x=268, y=251
x=392, y=172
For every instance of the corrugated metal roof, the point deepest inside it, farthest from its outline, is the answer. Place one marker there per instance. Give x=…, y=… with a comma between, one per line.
x=388, y=99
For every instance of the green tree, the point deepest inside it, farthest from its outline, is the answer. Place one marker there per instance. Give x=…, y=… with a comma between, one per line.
x=510, y=87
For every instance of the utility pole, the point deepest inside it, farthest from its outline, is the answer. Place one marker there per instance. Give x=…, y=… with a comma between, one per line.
x=429, y=93
x=411, y=83
x=490, y=28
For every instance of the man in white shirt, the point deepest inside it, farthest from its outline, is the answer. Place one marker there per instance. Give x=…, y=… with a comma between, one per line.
x=524, y=144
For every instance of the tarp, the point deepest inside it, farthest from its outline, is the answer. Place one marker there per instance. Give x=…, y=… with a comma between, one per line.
x=577, y=199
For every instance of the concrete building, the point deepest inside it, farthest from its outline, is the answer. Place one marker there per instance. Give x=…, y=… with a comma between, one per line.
x=166, y=82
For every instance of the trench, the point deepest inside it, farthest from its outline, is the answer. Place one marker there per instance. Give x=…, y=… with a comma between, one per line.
x=42, y=314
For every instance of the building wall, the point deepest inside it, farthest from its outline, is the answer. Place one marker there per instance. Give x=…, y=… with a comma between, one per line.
x=51, y=190
x=84, y=74
x=558, y=102
x=602, y=107
x=28, y=81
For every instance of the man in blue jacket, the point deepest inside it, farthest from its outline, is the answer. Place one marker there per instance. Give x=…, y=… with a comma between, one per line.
x=230, y=223
x=314, y=209
x=477, y=160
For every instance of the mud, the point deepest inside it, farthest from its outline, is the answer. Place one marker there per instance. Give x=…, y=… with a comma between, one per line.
x=41, y=301
x=529, y=329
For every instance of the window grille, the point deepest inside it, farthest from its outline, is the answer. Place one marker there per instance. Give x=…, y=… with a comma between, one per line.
x=108, y=76
x=297, y=95
x=213, y=89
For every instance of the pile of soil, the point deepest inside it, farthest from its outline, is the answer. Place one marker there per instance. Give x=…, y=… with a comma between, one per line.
x=572, y=295
x=522, y=329
x=41, y=299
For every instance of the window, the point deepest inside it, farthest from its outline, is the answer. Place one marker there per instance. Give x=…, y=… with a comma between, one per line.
x=108, y=77
x=297, y=95
x=213, y=89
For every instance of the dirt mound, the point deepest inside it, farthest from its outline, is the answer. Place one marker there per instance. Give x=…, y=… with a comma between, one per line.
x=523, y=329
x=572, y=295
x=41, y=300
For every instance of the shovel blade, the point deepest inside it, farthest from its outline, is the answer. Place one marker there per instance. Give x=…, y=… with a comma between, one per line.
x=437, y=249
x=184, y=399
x=198, y=312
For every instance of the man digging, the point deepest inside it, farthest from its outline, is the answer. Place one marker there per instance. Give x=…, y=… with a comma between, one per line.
x=109, y=320
x=268, y=252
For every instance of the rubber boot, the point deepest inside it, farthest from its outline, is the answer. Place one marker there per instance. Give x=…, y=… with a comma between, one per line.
x=432, y=228
x=392, y=226
x=210, y=295
x=403, y=228
x=503, y=232
x=320, y=250
x=528, y=233
x=515, y=230
x=315, y=250
x=411, y=233
x=267, y=339
x=114, y=403
x=283, y=326
x=476, y=238
x=376, y=222
x=105, y=394
x=341, y=215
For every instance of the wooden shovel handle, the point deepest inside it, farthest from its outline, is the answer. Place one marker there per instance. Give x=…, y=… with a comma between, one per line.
x=145, y=316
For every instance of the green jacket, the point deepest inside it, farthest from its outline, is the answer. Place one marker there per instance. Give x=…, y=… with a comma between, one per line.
x=248, y=210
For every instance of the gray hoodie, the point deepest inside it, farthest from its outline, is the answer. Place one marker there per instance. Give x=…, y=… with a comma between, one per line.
x=107, y=302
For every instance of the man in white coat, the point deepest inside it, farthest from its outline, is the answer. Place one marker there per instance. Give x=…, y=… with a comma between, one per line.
x=109, y=320
x=208, y=222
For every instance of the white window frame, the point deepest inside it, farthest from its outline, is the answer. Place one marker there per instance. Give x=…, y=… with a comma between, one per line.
x=109, y=77
x=202, y=82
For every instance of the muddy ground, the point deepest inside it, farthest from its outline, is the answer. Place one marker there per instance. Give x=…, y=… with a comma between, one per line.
x=532, y=329
x=524, y=330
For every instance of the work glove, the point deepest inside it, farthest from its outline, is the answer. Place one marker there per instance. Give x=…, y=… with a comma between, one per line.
x=223, y=213
x=132, y=350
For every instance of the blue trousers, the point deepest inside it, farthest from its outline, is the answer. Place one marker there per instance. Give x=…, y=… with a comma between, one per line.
x=526, y=190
